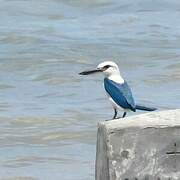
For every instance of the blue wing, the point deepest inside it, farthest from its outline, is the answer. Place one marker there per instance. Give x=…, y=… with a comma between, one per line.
x=120, y=93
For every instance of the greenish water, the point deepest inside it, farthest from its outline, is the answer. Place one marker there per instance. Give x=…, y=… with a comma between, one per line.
x=48, y=113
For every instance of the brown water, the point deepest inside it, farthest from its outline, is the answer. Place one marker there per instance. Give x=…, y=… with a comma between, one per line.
x=48, y=113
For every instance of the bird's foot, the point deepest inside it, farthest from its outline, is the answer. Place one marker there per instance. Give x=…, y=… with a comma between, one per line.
x=112, y=119
x=108, y=119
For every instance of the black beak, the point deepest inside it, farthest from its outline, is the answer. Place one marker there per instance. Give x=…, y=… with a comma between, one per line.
x=90, y=72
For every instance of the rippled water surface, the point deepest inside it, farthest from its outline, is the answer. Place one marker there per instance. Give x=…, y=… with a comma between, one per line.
x=48, y=113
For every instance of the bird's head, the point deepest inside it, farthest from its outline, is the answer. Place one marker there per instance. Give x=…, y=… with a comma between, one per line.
x=108, y=68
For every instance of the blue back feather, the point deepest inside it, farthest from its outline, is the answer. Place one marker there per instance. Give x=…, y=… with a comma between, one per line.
x=120, y=93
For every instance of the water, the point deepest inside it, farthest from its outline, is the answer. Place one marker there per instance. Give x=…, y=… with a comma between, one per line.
x=48, y=113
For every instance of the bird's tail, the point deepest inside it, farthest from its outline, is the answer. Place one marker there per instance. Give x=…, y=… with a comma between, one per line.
x=144, y=108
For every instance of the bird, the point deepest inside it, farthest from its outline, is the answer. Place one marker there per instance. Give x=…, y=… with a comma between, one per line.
x=117, y=89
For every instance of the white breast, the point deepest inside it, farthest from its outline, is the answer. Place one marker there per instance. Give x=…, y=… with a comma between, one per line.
x=116, y=78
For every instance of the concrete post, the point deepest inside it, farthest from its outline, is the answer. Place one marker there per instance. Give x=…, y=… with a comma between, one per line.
x=141, y=147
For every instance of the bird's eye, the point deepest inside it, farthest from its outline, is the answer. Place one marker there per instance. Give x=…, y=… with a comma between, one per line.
x=106, y=67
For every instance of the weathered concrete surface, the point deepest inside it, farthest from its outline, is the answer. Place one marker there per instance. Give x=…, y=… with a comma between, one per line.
x=142, y=147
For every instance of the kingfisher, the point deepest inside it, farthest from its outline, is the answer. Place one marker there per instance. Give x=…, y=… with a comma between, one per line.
x=117, y=89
